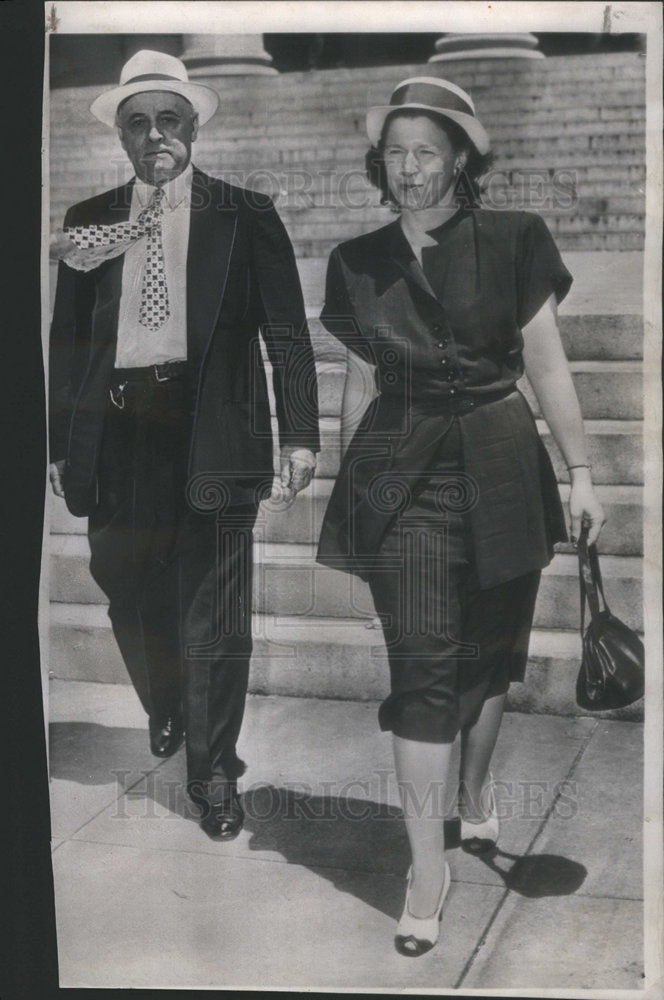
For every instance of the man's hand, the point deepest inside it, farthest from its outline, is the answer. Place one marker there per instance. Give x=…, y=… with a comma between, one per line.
x=297, y=470
x=55, y=473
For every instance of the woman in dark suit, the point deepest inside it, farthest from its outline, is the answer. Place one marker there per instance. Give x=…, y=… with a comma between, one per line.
x=446, y=501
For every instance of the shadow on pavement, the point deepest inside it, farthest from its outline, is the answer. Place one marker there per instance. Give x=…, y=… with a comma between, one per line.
x=359, y=838
x=355, y=843
x=92, y=754
x=537, y=875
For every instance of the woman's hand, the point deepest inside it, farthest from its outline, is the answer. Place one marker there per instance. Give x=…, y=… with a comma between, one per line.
x=584, y=507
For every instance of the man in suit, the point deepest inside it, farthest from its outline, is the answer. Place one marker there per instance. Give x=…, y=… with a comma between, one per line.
x=160, y=420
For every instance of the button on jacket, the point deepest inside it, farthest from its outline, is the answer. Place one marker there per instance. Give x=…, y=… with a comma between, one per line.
x=446, y=342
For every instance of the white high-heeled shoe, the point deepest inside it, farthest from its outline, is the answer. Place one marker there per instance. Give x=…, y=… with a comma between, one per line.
x=476, y=838
x=417, y=935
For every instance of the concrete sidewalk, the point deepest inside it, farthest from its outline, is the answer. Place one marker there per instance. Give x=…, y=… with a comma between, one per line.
x=310, y=892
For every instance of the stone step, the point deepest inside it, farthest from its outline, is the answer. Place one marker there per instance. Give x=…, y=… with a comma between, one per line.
x=327, y=227
x=344, y=117
x=346, y=129
x=600, y=318
x=602, y=337
x=530, y=188
x=110, y=169
x=615, y=451
x=567, y=84
x=344, y=210
x=563, y=188
x=611, y=390
x=284, y=122
x=301, y=521
x=313, y=194
x=317, y=658
x=558, y=147
x=296, y=131
x=363, y=209
x=609, y=240
x=589, y=233
x=574, y=229
x=288, y=581
x=592, y=324
x=585, y=338
x=571, y=223
x=311, y=186
x=311, y=128
x=606, y=389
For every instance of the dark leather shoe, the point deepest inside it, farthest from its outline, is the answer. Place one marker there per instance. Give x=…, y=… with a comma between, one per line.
x=223, y=821
x=166, y=738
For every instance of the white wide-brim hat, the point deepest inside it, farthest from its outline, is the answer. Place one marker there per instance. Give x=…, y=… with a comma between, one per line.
x=149, y=70
x=429, y=93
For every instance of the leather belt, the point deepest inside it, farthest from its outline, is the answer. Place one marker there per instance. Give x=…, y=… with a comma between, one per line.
x=151, y=373
x=168, y=371
x=449, y=404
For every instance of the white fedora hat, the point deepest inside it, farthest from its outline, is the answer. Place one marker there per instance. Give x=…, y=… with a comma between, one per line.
x=149, y=70
x=430, y=93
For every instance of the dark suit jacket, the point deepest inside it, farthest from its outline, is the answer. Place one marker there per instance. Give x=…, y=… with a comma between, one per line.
x=241, y=278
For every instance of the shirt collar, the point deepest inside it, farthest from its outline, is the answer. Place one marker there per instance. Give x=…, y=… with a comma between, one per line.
x=174, y=191
x=439, y=231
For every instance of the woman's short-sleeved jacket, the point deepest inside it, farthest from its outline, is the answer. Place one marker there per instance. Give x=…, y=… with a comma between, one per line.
x=446, y=342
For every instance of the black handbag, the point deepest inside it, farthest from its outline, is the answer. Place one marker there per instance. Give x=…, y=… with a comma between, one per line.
x=612, y=664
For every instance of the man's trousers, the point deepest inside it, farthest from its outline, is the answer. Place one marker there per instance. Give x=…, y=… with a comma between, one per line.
x=178, y=579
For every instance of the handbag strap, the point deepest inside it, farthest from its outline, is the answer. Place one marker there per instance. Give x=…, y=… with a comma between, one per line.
x=590, y=579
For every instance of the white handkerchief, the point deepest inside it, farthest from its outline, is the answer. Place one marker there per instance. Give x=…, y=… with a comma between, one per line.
x=64, y=249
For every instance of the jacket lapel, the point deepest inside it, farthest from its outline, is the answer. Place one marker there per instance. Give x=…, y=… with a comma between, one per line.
x=118, y=206
x=416, y=276
x=404, y=263
x=109, y=278
x=211, y=237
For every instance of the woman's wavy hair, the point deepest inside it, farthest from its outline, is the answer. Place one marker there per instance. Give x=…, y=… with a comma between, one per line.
x=467, y=188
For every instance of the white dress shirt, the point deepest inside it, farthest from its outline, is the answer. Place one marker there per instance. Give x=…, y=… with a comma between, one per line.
x=137, y=346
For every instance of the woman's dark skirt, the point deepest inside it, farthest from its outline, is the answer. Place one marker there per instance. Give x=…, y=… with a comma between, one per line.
x=450, y=644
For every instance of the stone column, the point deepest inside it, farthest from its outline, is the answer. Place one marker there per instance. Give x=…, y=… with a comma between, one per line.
x=486, y=46
x=226, y=55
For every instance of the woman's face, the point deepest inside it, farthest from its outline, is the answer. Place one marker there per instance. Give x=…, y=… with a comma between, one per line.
x=420, y=162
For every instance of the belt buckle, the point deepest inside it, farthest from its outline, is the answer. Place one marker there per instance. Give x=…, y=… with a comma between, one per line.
x=157, y=377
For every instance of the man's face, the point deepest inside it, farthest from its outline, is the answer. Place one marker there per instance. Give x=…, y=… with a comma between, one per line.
x=156, y=129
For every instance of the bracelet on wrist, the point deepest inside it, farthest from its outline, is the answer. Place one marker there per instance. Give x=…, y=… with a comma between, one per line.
x=581, y=465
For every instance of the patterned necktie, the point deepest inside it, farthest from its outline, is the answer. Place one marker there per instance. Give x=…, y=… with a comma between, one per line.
x=100, y=242
x=154, y=309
